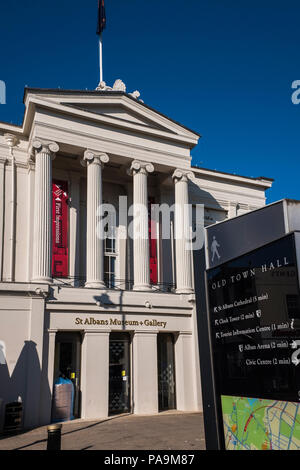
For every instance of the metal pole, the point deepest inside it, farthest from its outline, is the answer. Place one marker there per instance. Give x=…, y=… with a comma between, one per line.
x=100, y=58
x=54, y=437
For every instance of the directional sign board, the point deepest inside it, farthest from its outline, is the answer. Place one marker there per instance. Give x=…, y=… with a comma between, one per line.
x=232, y=238
x=254, y=320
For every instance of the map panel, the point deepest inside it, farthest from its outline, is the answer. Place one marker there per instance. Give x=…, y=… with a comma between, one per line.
x=254, y=316
x=260, y=424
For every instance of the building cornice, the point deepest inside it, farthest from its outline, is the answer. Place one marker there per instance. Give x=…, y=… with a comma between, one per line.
x=24, y=288
x=218, y=195
x=144, y=151
x=260, y=181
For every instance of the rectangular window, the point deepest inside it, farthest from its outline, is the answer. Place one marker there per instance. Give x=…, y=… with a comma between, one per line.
x=110, y=271
x=110, y=253
x=60, y=262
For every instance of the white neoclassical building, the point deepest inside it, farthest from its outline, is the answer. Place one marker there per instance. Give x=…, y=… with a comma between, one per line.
x=118, y=316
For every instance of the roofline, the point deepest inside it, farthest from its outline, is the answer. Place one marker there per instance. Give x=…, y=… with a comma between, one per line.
x=255, y=210
x=103, y=93
x=251, y=178
x=18, y=126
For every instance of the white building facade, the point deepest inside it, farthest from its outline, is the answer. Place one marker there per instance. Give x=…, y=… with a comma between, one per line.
x=117, y=317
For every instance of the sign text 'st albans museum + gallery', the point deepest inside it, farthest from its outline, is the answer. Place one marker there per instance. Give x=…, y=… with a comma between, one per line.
x=117, y=318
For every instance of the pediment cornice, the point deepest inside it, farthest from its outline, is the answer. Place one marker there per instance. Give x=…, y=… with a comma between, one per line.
x=146, y=120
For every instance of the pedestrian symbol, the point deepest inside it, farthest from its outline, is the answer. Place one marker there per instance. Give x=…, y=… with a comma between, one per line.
x=214, y=249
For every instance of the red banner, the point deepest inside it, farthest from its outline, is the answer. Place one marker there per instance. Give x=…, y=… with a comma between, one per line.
x=59, y=229
x=152, y=244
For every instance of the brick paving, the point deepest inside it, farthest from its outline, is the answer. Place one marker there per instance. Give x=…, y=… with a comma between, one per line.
x=163, y=431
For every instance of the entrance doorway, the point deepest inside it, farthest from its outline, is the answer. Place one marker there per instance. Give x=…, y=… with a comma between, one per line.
x=166, y=372
x=119, y=373
x=67, y=362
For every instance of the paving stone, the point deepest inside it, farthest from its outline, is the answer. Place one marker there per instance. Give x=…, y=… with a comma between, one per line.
x=163, y=431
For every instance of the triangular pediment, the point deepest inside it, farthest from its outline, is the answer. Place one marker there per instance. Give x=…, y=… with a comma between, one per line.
x=119, y=113
x=118, y=109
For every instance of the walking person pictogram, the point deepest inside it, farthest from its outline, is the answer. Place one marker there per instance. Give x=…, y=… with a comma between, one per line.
x=214, y=249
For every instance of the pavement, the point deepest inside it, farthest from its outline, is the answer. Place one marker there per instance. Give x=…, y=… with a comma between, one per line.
x=171, y=430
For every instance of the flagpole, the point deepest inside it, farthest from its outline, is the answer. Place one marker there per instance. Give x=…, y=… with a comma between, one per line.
x=100, y=58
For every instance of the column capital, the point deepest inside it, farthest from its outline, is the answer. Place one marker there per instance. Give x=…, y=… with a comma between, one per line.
x=11, y=140
x=182, y=175
x=44, y=146
x=142, y=167
x=90, y=156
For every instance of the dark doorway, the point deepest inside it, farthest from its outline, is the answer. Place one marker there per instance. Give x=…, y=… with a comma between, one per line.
x=67, y=363
x=119, y=373
x=166, y=372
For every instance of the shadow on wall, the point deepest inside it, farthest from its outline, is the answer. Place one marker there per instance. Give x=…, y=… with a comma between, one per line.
x=23, y=384
x=196, y=194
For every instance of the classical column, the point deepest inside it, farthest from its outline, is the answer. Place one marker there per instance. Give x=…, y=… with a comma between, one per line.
x=186, y=397
x=47, y=375
x=141, y=255
x=44, y=154
x=145, y=380
x=11, y=141
x=2, y=206
x=184, y=279
x=94, y=240
x=95, y=374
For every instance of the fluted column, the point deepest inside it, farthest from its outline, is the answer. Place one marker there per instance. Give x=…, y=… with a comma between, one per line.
x=184, y=281
x=42, y=246
x=94, y=241
x=141, y=254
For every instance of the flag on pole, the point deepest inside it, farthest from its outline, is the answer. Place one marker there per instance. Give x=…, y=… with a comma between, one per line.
x=101, y=23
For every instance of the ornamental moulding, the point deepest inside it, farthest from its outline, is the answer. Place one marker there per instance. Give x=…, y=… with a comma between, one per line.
x=138, y=165
x=91, y=156
x=182, y=175
x=42, y=146
x=118, y=85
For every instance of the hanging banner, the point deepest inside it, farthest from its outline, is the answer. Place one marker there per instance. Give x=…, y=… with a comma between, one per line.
x=152, y=243
x=59, y=228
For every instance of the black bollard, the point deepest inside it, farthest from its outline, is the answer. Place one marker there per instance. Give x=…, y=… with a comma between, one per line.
x=54, y=437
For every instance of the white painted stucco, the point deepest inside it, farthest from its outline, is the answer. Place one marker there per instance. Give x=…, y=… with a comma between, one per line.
x=31, y=314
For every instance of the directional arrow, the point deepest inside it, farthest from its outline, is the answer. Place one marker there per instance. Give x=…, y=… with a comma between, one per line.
x=295, y=355
x=295, y=343
x=295, y=361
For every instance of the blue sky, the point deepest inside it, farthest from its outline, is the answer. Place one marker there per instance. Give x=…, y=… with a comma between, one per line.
x=222, y=68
